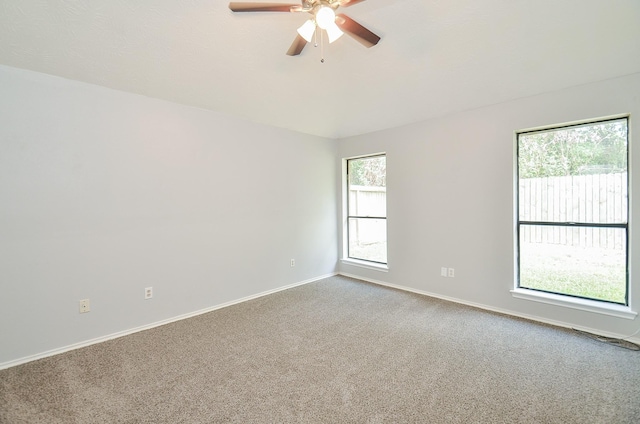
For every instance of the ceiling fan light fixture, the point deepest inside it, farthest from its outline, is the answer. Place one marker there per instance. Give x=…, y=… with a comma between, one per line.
x=325, y=17
x=333, y=32
x=307, y=29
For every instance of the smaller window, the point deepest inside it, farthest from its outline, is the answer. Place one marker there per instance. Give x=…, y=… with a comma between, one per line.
x=367, y=208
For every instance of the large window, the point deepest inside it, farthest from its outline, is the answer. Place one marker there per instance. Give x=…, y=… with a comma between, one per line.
x=573, y=209
x=367, y=208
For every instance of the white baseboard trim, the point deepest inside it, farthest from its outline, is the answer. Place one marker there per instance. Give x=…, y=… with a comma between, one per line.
x=112, y=336
x=493, y=309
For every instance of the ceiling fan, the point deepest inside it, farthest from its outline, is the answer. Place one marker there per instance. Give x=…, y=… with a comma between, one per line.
x=324, y=17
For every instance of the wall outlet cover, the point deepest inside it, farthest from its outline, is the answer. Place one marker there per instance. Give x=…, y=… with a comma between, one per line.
x=84, y=306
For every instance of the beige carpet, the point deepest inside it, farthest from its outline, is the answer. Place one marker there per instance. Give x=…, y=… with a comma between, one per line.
x=333, y=351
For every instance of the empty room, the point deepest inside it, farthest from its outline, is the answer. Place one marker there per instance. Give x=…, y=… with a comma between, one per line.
x=376, y=211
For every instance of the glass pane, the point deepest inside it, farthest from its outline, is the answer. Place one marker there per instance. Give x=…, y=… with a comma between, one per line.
x=368, y=239
x=575, y=174
x=578, y=261
x=367, y=186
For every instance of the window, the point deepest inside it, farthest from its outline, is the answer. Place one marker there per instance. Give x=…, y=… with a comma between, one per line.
x=572, y=210
x=367, y=208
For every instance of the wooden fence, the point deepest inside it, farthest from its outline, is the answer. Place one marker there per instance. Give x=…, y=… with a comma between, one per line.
x=368, y=201
x=598, y=198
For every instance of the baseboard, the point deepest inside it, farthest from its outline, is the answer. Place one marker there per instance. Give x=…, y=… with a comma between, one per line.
x=112, y=336
x=494, y=309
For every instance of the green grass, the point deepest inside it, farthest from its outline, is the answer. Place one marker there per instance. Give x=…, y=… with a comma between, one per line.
x=592, y=272
x=376, y=252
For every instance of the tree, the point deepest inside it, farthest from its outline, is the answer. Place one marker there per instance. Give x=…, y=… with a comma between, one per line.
x=587, y=149
x=371, y=171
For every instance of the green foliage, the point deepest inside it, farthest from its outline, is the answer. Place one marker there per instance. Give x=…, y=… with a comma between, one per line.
x=598, y=286
x=371, y=171
x=594, y=273
x=589, y=149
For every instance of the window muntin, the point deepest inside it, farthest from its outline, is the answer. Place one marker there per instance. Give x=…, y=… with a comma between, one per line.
x=573, y=210
x=367, y=208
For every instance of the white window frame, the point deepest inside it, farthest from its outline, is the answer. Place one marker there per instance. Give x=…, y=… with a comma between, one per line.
x=361, y=263
x=589, y=305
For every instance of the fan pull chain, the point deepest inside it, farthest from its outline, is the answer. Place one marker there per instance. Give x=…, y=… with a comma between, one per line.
x=315, y=43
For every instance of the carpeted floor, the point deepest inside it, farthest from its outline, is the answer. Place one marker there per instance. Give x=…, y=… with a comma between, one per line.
x=333, y=351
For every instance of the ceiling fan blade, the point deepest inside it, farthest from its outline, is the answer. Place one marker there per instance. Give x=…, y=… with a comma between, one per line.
x=297, y=46
x=347, y=3
x=236, y=6
x=357, y=31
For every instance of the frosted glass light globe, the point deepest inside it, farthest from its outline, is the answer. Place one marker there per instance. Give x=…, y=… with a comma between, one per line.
x=325, y=17
x=307, y=29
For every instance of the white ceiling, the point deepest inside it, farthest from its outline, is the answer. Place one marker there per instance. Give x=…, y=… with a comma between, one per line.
x=435, y=56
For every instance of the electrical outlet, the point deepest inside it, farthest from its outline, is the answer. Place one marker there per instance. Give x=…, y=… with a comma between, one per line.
x=293, y=263
x=451, y=272
x=148, y=293
x=84, y=306
x=443, y=271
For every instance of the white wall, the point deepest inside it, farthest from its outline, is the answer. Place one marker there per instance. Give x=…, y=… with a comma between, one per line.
x=103, y=193
x=450, y=184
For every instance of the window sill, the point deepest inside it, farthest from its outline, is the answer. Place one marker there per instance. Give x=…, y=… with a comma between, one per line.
x=619, y=311
x=365, y=264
